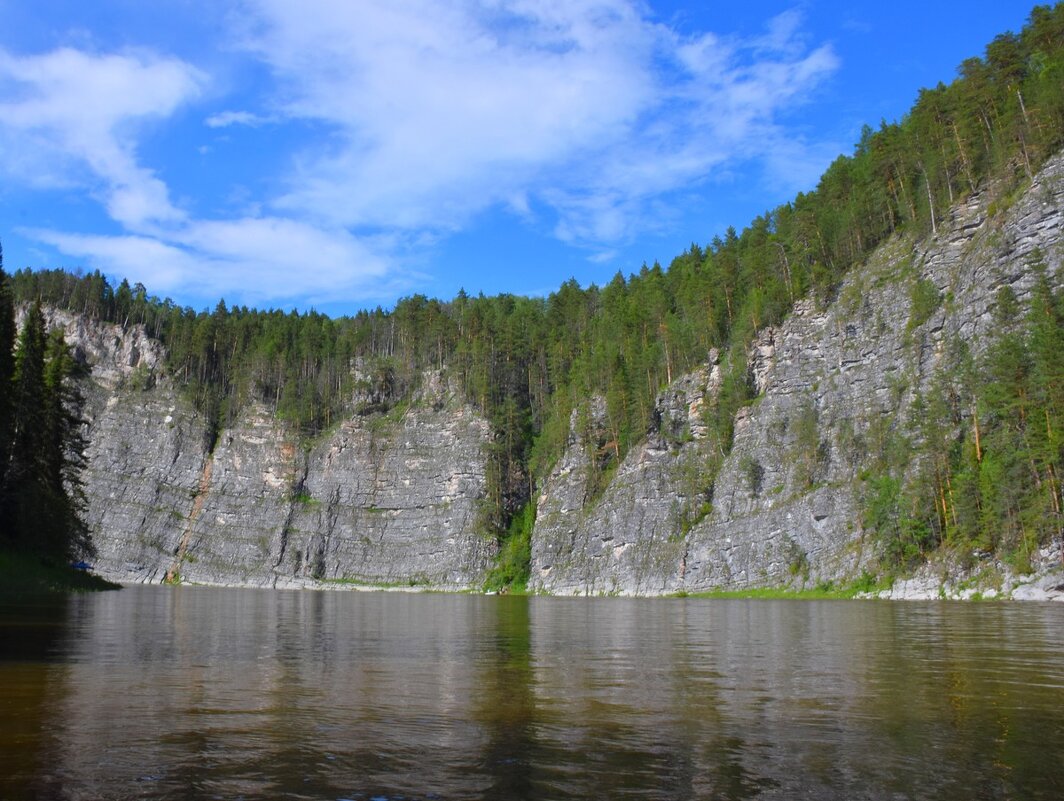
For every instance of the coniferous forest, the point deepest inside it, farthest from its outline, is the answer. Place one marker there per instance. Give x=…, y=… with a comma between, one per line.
x=41, y=441
x=527, y=363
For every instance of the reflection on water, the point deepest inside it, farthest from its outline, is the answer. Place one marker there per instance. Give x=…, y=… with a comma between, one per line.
x=188, y=692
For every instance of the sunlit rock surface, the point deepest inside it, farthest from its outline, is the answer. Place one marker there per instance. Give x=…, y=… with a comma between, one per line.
x=395, y=497
x=830, y=381
x=384, y=499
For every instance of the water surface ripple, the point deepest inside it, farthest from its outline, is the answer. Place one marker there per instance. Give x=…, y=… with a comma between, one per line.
x=201, y=693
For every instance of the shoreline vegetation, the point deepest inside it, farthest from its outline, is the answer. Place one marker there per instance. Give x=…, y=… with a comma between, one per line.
x=934, y=583
x=25, y=577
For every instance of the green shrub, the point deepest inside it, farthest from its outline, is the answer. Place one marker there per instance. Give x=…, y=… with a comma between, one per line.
x=514, y=561
x=925, y=299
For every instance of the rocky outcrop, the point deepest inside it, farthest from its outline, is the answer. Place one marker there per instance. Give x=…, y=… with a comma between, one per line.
x=117, y=355
x=982, y=578
x=831, y=383
x=631, y=538
x=386, y=498
x=393, y=495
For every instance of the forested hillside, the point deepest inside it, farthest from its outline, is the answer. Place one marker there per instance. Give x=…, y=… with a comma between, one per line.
x=527, y=363
x=977, y=465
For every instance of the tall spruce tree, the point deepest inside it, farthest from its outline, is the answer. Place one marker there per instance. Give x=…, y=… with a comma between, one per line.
x=66, y=534
x=7, y=366
x=24, y=498
x=41, y=495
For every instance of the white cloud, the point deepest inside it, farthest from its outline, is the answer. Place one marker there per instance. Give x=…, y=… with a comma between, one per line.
x=76, y=112
x=258, y=260
x=421, y=115
x=224, y=119
x=442, y=110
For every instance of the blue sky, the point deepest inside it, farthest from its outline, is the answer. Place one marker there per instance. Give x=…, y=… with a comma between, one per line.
x=340, y=154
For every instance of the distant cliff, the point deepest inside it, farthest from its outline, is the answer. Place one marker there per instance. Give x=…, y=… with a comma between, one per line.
x=783, y=509
x=397, y=495
x=390, y=498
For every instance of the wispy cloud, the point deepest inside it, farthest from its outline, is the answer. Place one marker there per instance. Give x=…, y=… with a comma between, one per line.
x=442, y=110
x=78, y=112
x=256, y=260
x=422, y=115
x=224, y=119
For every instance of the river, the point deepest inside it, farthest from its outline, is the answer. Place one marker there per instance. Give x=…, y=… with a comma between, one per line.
x=202, y=693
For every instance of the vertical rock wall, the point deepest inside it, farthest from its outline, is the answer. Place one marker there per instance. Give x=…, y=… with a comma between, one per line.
x=383, y=499
x=830, y=382
x=394, y=498
x=631, y=538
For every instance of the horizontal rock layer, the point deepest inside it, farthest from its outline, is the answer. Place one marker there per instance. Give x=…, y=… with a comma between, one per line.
x=784, y=507
x=384, y=499
x=395, y=498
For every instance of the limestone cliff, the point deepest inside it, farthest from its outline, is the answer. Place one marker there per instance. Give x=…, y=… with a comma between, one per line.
x=632, y=538
x=388, y=498
x=395, y=497
x=783, y=508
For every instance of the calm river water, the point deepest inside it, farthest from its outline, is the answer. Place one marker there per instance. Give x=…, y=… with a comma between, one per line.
x=197, y=693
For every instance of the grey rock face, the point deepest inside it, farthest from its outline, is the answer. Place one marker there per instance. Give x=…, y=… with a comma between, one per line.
x=395, y=501
x=145, y=462
x=378, y=501
x=631, y=539
x=383, y=499
x=831, y=383
x=394, y=497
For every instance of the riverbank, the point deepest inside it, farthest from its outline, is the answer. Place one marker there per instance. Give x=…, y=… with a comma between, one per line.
x=23, y=576
x=945, y=577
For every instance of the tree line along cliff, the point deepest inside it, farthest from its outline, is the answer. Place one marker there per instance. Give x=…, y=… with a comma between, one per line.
x=532, y=366
x=41, y=441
